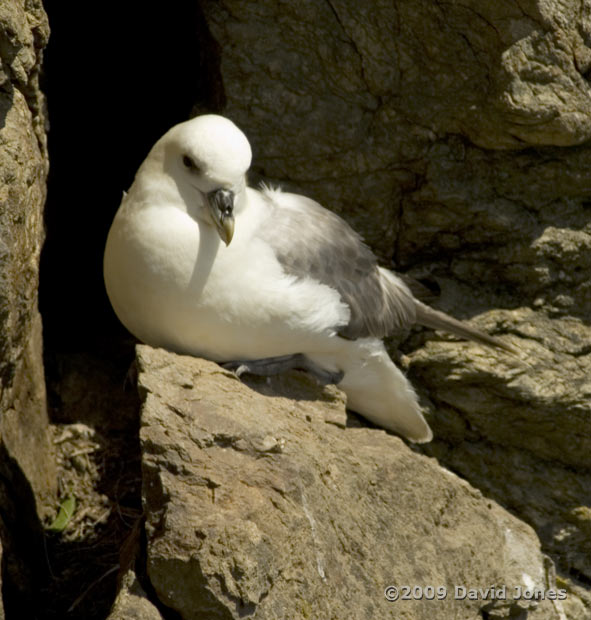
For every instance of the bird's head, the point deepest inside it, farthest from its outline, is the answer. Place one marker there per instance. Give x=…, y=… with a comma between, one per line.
x=208, y=157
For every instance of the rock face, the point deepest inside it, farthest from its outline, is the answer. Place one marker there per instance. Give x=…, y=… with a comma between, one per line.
x=455, y=138
x=23, y=164
x=360, y=107
x=26, y=465
x=266, y=506
x=132, y=602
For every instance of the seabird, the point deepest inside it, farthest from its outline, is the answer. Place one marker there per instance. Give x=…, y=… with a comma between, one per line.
x=199, y=263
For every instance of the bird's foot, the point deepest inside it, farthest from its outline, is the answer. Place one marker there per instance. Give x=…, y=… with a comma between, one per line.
x=264, y=367
x=268, y=366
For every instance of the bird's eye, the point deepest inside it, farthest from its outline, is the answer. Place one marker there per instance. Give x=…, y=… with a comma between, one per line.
x=189, y=163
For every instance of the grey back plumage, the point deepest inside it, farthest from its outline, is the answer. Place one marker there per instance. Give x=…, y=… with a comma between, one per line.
x=312, y=242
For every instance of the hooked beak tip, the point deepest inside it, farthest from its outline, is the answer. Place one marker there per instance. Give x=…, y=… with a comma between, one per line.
x=227, y=229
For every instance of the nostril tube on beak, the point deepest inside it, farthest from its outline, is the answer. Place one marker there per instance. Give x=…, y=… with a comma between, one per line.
x=223, y=200
x=221, y=205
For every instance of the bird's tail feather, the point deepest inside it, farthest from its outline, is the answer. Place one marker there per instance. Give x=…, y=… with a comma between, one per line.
x=377, y=389
x=428, y=317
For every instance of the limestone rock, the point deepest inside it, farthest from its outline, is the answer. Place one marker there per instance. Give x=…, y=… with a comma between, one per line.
x=132, y=602
x=520, y=432
x=23, y=165
x=541, y=405
x=27, y=468
x=515, y=226
x=260, y=505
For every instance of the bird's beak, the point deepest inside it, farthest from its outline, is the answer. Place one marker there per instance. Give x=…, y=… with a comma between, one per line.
x=221, y=207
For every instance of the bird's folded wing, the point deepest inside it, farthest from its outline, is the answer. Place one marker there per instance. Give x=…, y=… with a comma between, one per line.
x=312, y=242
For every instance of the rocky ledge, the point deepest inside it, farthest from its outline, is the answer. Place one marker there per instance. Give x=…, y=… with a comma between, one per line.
x=266, y=499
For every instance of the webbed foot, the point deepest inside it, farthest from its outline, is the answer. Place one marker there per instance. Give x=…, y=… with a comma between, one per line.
x=269, y=366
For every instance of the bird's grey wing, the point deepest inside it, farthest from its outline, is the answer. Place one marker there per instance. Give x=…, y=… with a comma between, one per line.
x=312, y=242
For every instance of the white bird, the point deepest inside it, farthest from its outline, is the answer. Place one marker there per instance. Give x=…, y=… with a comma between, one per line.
x=199, y=263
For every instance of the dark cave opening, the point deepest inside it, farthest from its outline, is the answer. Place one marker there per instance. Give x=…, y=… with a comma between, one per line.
x=113, y=85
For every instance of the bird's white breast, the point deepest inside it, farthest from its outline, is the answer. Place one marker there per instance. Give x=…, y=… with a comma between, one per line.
x=173, y=283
